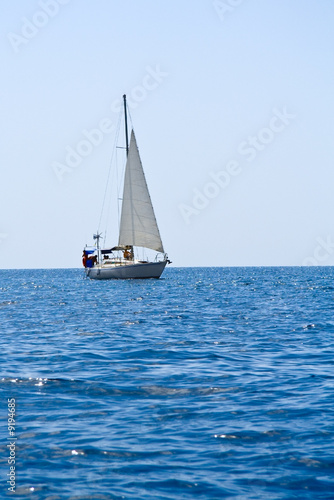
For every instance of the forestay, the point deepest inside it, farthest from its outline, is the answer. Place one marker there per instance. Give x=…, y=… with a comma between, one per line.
x=138, y=225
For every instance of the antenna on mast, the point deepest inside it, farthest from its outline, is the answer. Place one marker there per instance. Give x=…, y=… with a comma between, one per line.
x=126, y=126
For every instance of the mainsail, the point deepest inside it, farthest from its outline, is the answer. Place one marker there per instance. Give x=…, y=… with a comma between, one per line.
x=138, y=225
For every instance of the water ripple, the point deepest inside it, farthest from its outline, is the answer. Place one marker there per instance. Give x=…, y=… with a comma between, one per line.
x=210, y=383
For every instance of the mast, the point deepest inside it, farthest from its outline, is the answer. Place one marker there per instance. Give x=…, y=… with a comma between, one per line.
x=127, y=147
x=126, y=126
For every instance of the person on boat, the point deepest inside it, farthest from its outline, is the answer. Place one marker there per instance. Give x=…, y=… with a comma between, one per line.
x=88, y=261
x=128, y=253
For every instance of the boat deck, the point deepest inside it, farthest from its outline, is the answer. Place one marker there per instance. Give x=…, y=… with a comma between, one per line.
x=119, y=262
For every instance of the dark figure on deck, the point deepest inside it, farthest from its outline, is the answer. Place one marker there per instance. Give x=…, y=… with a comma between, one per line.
x=128, y=253
x=88, y=261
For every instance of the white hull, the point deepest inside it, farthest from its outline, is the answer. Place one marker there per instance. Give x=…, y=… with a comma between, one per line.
x=127, y=271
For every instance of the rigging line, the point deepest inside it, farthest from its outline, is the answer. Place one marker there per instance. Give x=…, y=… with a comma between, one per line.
x=117, y=185
x=120, y=184
x=115, y=173
x=117, y=194
x=108, y=177
x=129, y=115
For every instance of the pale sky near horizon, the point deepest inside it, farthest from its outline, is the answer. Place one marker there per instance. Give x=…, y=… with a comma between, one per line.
x=232, y=103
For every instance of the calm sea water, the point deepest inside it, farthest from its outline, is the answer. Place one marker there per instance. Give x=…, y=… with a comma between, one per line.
x=209, y=383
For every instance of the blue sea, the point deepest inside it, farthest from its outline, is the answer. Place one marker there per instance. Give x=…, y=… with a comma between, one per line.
x=209, y=383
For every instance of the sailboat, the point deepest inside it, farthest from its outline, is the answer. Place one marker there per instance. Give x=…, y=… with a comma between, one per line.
x=138, y=228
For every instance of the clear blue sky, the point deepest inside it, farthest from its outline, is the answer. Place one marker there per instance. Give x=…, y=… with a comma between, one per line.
x=232, y=103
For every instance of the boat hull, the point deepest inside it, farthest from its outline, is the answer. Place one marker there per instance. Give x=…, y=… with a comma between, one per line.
x=128, y=271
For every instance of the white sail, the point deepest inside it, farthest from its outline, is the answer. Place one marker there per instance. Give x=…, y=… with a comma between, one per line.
x=138, y=225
